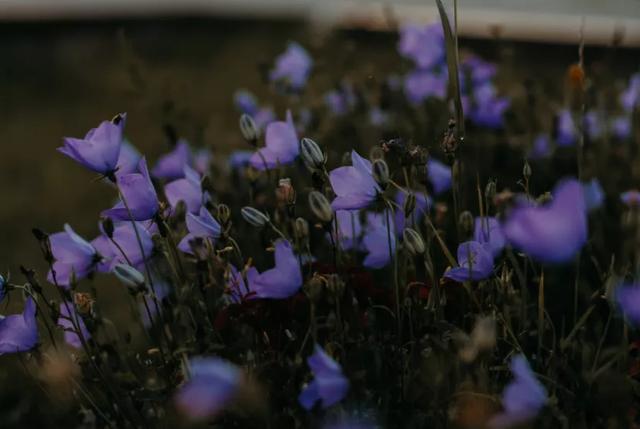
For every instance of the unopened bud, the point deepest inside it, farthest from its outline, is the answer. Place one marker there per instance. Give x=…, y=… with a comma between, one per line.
x=223, y=213
x=254, y=217
x=409, y=204
x=285, y=193
x=249, y=129
x=466, y=223
x=107, y=227
x=301, y=228
x=526, y=170
x=320, y=206
x=116, y=120
x=380, y=171
x=490, y=190
x=311, y=154
x=128, y=275
x=413, y=241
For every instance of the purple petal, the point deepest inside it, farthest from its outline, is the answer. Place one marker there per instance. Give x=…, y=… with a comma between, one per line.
x=282, y=281
x=99, y=150
x=488, y=230
x=19, y=332
x=627, y=296
x=67, y=314
x=184, y=190
x=140, y=194
x=171, y=166
x=439, y=175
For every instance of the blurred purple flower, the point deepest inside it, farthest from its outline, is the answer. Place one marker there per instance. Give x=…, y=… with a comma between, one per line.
x=475, y=262
x=349, y=229
x=187, y=189
x=627, y=296
x=421, y=84
x=439, y=175
x=293, y=66
x=19, y=332
x=488, y=230
x=621, y=127
x=329, y=384
x=566, y=132
x=128, y=159
x=593, y=125
x=283, y=280
x=99, y=149
x=202, y=161
x=171, y=165
x=488, y=109
x=379, y=235
x=67, y=314
x=240, y=158
x=593, y=194
x=480, y=70
x=423, y=205
x=204, y=226
x=336, y=102
x=554, y=232
x=213, y=384
x=74, y=257
x=522, y=399
x=631, y=198
x=281, y=145
x=378, y=117
x=631, y=95
x=541, y=148
x=424, y=45
x=245, y=102
x=353, y=185
x=264, y=117
x=139, y=193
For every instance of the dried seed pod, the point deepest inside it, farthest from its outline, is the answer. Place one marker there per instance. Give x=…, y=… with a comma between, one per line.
x=249, y=129
x=413, y=241
x=311, y=154
x=380, y=172
x=254, y=217
x=320, y=206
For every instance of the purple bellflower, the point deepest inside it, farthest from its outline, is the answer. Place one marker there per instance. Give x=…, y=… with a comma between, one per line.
x=66, y=320
x=424, y=45
x=124, y=236
x=439, y=175
x=19, y=332
x=631, y=198
x=522, y=399
x=99, y=149
x=281, y=145
x=292, y=66
x=631, y=95
x=240, y=159
x=213, y=384
x=74, y=257
x=488, y=109
x=593, y=194
x=480, y=70
x=245, y=102
x=541, y=147
x=593, y=125
x=283, y=280
x=128, y=159
x=554, y=232
x=379, y=235
x=139, y=194
x=203, y=226
x=488, y=230
x=567, y=134
x=621, y=127
x=475, y=262
x=187, y=189
x=353, y=185
x=329, y=385
x=171, y=166
x=421, y=84
x=349, y=229
x=627, y=296
x=202, y=160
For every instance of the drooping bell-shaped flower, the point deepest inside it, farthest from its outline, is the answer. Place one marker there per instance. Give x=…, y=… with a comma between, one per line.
x=379, y=240
x=627, y=296
x=124, y=236
x=171, y=165
x=74, y=257
x=19, y=332
x=187, y=189
x=292, y=67
x=354, y=185
x=421, y=84
x=68, y=320
x=522, y=399
x=488, y=230
x=245, y=101
x=128, y=159
x=281, y=281
x=100, y=148
x=424, y=45
x=554, y=232
x=439, y=175
x=140, y=195
x=281, y=145
x=212, y=385
x=201, y=226
x=475, y=262
x=329, y=385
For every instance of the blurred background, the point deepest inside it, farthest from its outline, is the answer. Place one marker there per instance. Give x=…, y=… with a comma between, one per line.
x=67, y=65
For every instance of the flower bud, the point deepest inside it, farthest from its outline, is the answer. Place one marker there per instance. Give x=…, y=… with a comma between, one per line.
x=249, y=129
x=311, y=154
x=83, y=302
x=413, y=241
x=301, y=228
x=526, y=170
x=466, y=223
x=285, y=194
x=254, y=217
x=107, y=226
x=409, y=204
x=490, y=190
x=380, y=172
x=223, y=213
x=129, y=275
x=320, y=206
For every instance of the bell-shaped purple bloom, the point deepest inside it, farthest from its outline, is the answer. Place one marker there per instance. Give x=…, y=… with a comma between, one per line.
x=67, y=320
x=74, y=257
x=187, y=189
x=99, y=149
x=124, y=236
x=349, y=229
x=488, y=109
x=593, y=194
x=439, y=175
x=488, y=230
x=264, y=117
x=213, y=384
x=240, y=159
x=292, y=66
x=421, y=84
x=380, y=234
x=631, y=198
x=541, y=148
x=424, y=45
x=627, y=296
x=480, y=70
x=593, y=125
x=128, y=159
x=139, y=193
x=554, y=232
x=281, y=145
x=631, y=95
x=423, y=205
x=283, y=280
x=566, y=130
x=19, y=332
x=522, y=399
x=202, y=161
x=621, y=127
x=171, y=166
x=354, y=185
x=202, y=226
x=245, y=102
x=329, y=385
x=475, y=262
x=105, y=249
